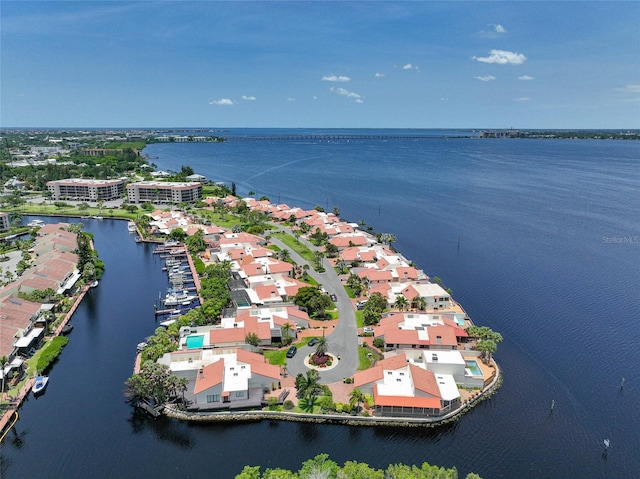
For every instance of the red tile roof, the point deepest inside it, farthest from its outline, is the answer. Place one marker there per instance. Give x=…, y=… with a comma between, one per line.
x=405, y=401
x=211, y=376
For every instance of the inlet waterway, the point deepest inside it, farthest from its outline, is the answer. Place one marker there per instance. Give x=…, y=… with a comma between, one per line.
x=537, y=239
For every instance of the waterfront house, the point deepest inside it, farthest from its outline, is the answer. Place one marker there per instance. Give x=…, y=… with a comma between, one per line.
x=401, y=388
x=234, y=378
x=434, y=294
x=406, y=330
x=17, y=318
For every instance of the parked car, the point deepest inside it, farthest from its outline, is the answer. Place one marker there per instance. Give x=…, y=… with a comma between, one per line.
x=292, y=352
x=333, y=297
x=360, y=304
x=313, y=341
x=367, y=330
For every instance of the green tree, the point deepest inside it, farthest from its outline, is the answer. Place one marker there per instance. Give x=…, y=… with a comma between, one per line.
x=419, y=302
x=358, y=470
x=252, y=339
x=401, y=302
x=322, y=346
x=320, y=467
x=177, y=234
x=3, y=362
x=153, y=383
x=308, y=386
x=488, y=341
x=195, y=242
x=356, y=396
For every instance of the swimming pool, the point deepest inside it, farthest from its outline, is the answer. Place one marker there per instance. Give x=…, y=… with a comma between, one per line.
x=194, y=341
x=474, y=367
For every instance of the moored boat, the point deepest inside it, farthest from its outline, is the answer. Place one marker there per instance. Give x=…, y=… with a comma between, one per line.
x=131, y=227
x=40, y=384
x=66, y=329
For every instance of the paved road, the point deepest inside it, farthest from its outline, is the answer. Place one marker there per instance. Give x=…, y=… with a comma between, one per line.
x=343, y=339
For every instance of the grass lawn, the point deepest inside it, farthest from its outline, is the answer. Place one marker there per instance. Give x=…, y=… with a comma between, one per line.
x=359, y=320
x=296, y=246
x=224, y=220
x=279, y=356
x=365, y=361
x=333, y=314
x=350, y=292
x=71, y=210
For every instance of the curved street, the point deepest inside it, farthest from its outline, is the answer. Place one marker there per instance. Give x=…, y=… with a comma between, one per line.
x=342, y=338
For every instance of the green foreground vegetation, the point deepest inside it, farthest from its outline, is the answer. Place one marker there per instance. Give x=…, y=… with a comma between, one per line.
x=321, y=467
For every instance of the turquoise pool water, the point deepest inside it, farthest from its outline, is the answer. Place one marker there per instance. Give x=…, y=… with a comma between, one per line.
x=474, y=367
x=195, y=342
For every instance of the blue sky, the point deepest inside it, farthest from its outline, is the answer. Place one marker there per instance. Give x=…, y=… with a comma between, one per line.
x=320, y=64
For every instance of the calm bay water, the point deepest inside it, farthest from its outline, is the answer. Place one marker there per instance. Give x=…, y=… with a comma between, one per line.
x=548, y=256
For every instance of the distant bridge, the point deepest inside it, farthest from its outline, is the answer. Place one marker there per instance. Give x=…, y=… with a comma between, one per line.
x=338, y=137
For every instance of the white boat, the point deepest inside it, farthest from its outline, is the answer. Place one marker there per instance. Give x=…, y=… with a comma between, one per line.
x=97, y=217
x=141, y=346
x=174, y=299
x=131, y=227
x=37, y=223
x=40, y=384
x=94, y=284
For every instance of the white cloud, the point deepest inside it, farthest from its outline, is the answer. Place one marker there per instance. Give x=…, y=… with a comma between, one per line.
x=523, y=98
x=379, y=75
x=347, y=93
x=410, y=66
x=485, y=78
x=291, y=99
x=221, y=101
x=499, y=28
x=249, y=98
x=502, y=57
x=525, y=77
x=630, y=88
x=336, y=78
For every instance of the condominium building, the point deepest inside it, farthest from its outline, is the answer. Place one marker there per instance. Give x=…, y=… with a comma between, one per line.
x=4, y=221
x=86, y=190
x=164, y=192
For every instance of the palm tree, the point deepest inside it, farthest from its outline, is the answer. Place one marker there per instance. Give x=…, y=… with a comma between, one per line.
x=3, y=361
x=321, y=346
x=401, y=302
x=356, y=397
x=317, y=258
x=308, y=386
x=420, y=303
x=487, y=347
x=286, y=329
x=284, y=255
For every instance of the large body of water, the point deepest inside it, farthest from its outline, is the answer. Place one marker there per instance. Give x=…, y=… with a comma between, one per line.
x=549, y=256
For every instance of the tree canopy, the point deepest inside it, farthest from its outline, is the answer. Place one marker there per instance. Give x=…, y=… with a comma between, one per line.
x=322, y=467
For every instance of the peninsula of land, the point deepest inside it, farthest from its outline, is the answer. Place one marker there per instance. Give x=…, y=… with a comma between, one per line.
x=273, y=311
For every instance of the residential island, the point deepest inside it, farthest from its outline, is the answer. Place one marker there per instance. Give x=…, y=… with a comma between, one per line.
x=273, y=312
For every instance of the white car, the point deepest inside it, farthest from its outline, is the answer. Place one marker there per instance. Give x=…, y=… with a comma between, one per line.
x=367, y=330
